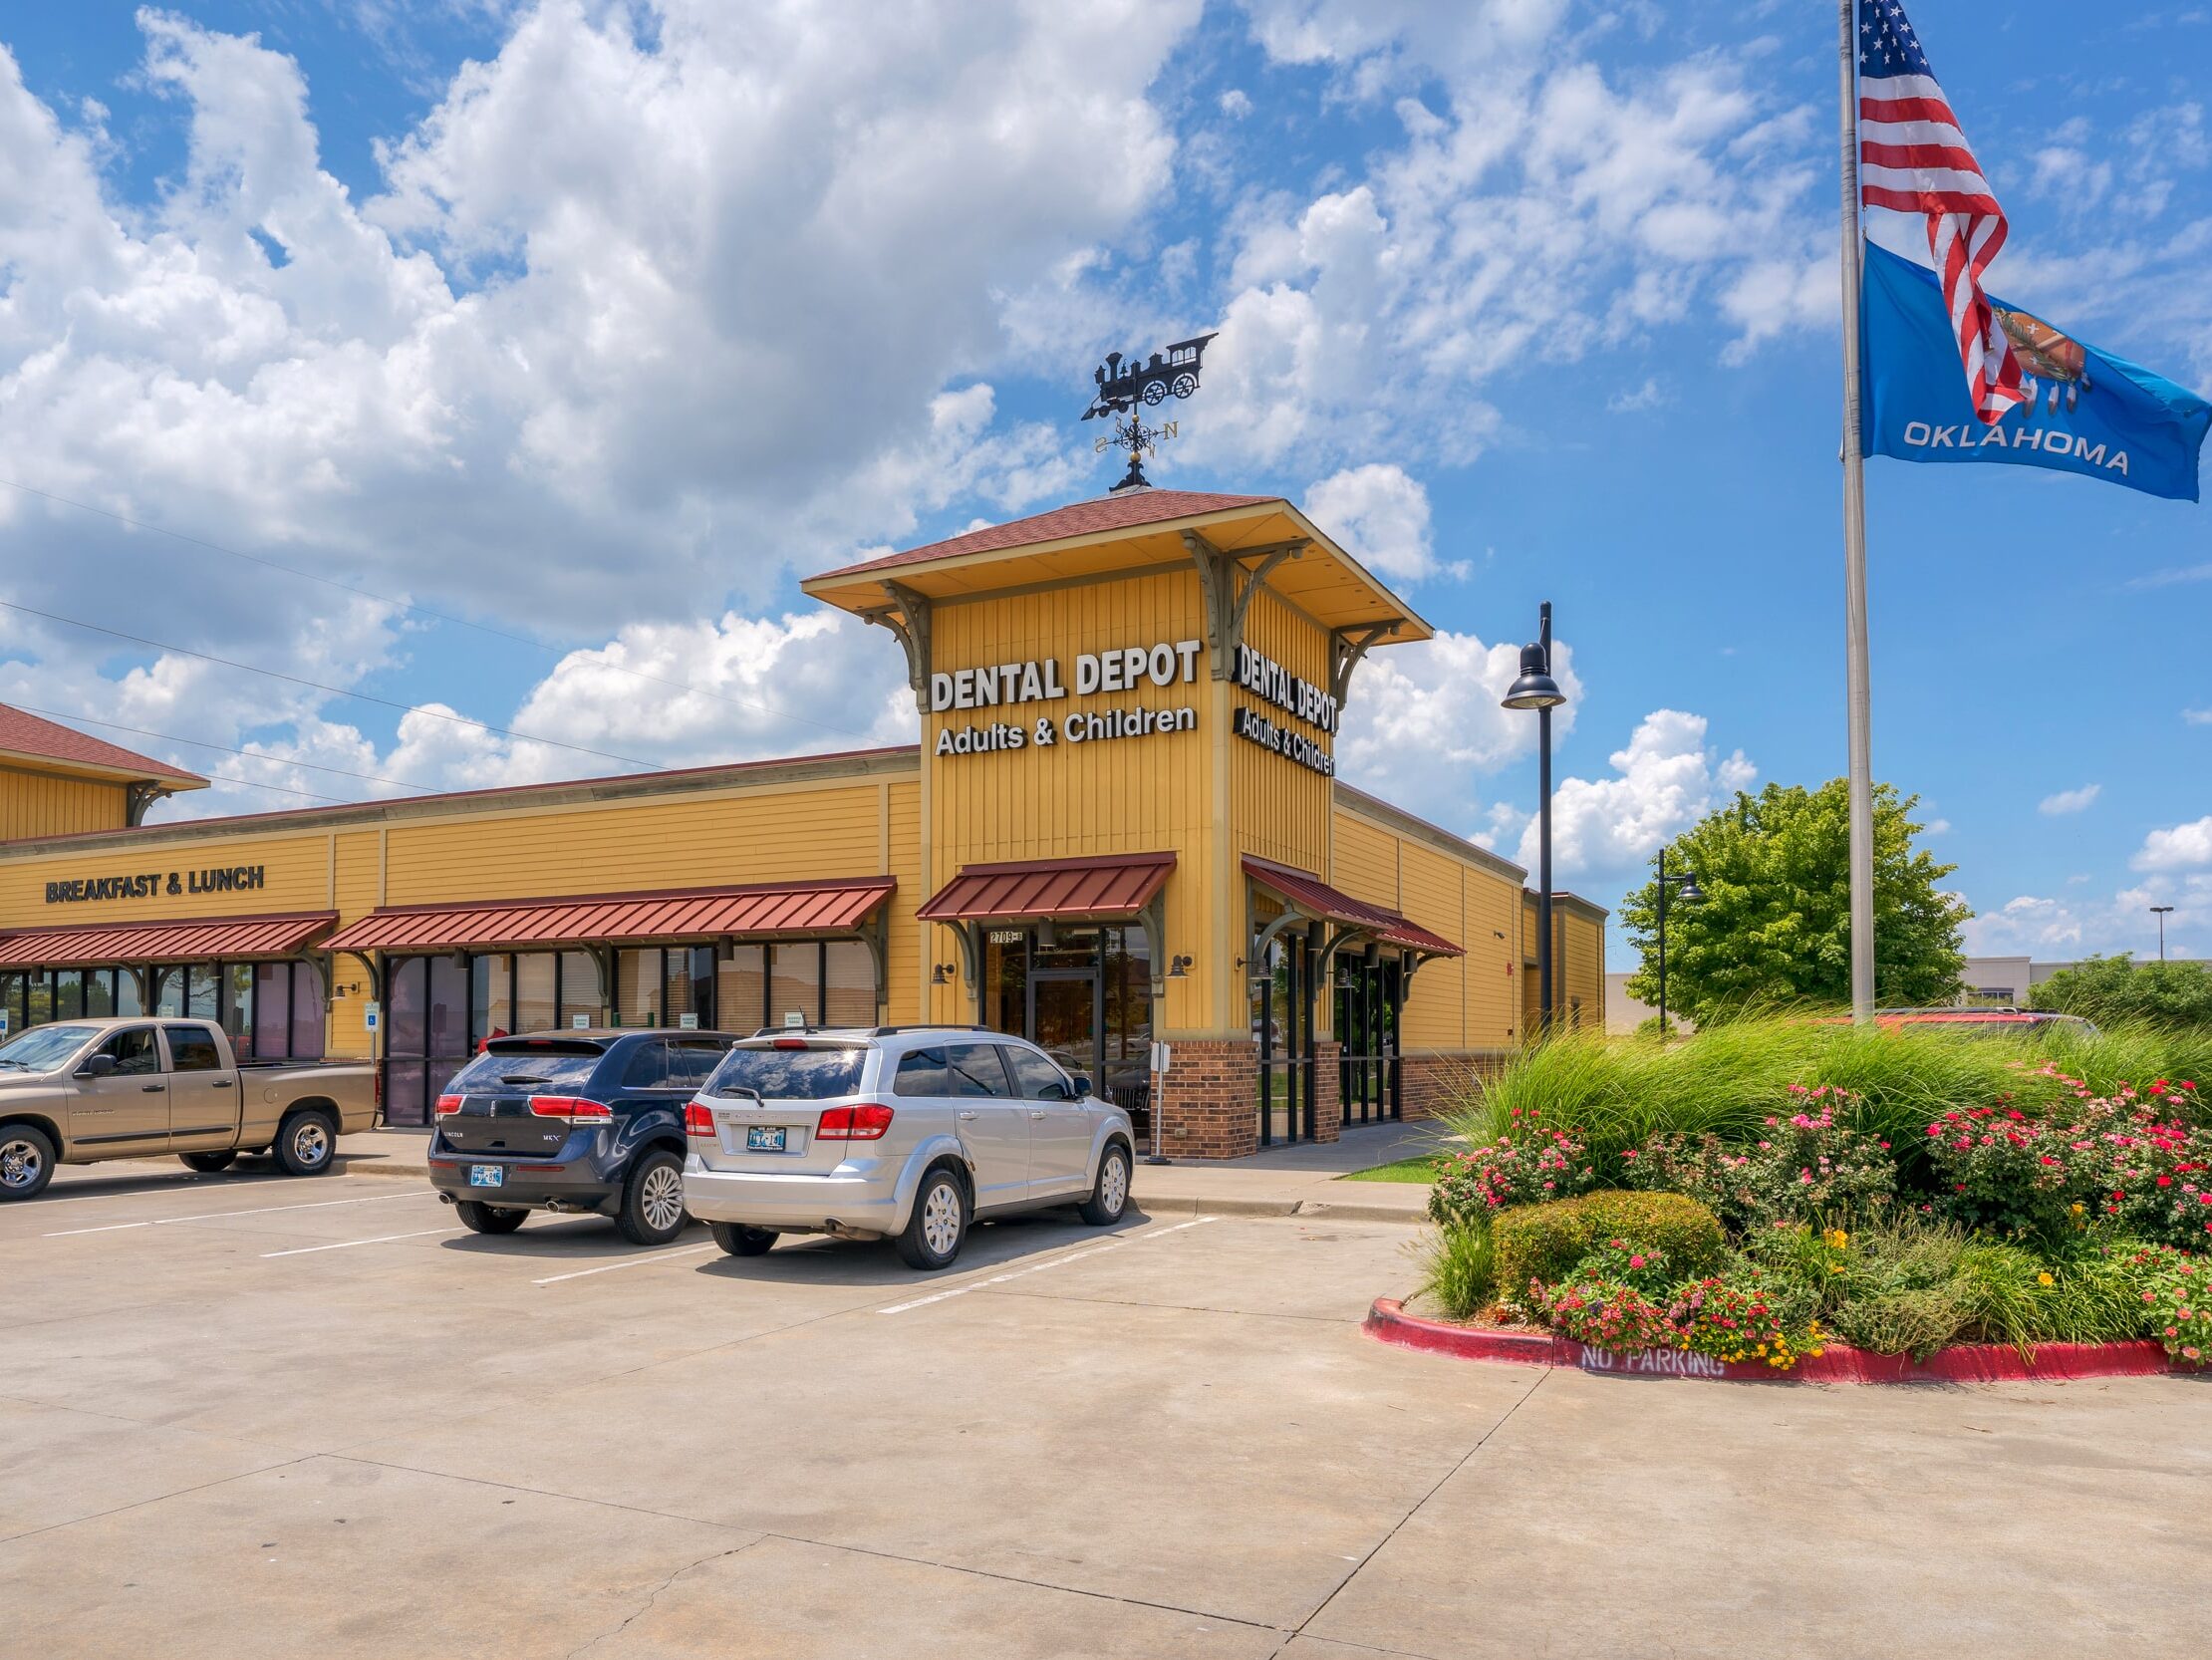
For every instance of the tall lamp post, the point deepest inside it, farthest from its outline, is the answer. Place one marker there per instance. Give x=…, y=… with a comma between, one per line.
x=1687, y=881
x=2161, y=911
x=1536, y=689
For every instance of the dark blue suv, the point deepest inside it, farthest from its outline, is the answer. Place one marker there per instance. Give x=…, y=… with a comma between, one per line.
x=573, y=1121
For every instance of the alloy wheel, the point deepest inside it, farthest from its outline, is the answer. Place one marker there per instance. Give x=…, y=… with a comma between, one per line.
x=1113, y=1183
x=20, y=1164
x=662, y=1198
x=311, y=1143
x=941, y=1217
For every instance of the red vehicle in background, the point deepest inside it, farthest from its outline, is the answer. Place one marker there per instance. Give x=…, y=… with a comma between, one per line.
x=1981, y=1019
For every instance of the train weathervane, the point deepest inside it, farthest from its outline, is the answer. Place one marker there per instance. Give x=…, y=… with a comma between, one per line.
x=1125, y=385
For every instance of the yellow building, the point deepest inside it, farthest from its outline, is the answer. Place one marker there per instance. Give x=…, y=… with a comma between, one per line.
x=1120, y=834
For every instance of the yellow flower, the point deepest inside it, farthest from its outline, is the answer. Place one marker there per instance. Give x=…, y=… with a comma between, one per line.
x=2075, y=1206
x=2045, y=1279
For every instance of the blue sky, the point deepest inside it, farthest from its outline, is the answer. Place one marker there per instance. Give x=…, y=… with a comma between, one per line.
x=600, y=325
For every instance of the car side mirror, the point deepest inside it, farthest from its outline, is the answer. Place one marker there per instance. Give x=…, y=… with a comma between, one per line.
x=1081, y=1086
x=98, y=1066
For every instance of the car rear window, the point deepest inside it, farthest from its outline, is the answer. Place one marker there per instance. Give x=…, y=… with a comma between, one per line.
x=788, y=1074
x=531, y=1069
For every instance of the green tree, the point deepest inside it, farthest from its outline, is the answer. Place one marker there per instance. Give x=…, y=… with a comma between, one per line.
x=1775, y=922
x=2109, y=989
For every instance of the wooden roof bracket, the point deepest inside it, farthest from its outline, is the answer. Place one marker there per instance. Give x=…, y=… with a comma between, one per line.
x=908, y=616
x=137, y=797
x=1347, y=647
x=1226, y=602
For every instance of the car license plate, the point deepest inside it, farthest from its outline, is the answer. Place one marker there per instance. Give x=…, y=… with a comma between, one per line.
x=759, y=1140
x=486, y=1176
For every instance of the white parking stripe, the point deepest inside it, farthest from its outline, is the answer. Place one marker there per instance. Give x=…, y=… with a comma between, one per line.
x=212, y=1216
x=347, y=1245
x=110, y=1227
x=1039, y=1267
x=627, y=1262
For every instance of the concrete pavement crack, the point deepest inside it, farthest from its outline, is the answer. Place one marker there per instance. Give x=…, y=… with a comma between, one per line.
x=1420, y=1504
x=660, y=1590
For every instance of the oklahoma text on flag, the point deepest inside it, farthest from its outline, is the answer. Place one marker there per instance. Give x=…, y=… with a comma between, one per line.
x=2086, y=411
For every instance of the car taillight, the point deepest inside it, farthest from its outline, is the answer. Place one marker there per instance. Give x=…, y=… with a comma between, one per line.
x=575, y=1108
x=699, y=1119
x=790, y=1043
x=866, y=1122
x=448, y=1105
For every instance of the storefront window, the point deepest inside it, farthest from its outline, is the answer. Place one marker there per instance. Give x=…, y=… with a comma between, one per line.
x=742, y=988
x=535, y=1007
x=638, y=989
x=39, y=1000
x=202, y=992
x=128, y=1001
x=490, y=997
x=1128, y=988
x=580, y=991
x=11, y=1000
x=308, y=1024
x=676, y=994
x=235, y=980
x=1007, y=979
x=848, y=984
x=272, y=1010
x=69, y=994
x=169, y=992
x=99, y=993
x=795, y=983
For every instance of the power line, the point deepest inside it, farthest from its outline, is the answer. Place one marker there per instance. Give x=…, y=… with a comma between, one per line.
x=420, y=610
x=318, y=685
x=249, y=755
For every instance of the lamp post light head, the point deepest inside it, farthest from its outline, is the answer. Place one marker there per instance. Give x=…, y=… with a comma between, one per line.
x=1691, y=893
x=1535, y=688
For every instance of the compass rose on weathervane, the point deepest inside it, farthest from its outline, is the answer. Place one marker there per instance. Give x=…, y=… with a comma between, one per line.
x=1124, y=384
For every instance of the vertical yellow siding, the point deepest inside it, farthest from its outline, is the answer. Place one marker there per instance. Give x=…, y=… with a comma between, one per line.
x=36, y=804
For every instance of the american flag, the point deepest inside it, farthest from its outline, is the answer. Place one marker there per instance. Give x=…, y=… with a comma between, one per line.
x=1912, y=158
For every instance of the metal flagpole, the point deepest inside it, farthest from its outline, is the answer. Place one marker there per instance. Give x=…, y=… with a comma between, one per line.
x=1854, y=546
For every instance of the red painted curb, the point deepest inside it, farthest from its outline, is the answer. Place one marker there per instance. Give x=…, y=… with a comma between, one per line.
x=1388, y=1322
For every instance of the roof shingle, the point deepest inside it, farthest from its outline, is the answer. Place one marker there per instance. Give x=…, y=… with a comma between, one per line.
x=23, y=734
x=1080, y=518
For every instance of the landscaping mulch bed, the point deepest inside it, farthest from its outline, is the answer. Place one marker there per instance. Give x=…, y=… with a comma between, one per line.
x=1388, y=1322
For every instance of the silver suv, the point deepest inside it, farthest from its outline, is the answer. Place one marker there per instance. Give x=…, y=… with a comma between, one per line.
x=906, y=1133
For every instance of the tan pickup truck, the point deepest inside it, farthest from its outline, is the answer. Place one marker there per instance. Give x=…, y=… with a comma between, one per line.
x=80, y=1091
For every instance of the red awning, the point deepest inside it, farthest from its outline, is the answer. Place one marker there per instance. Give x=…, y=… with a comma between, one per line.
x=1315, y=898
x=1109, y=886
x=203, y=939
x=838, y=906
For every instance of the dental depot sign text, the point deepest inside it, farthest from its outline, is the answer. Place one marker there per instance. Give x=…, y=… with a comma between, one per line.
x=1159, y=665
x=1040, y=680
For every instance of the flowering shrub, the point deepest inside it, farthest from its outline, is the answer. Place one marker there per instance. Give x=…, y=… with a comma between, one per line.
x=2129, y=1159
x=1733, y=1322
x=2177, y=1302
x=1645, y=1269
x=1528, y=1163
x=1604, y=1313
x=1549, y=1241
x=1803, y=1165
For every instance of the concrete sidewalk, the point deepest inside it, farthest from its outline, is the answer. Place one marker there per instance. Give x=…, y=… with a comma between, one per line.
x=1305, y=1179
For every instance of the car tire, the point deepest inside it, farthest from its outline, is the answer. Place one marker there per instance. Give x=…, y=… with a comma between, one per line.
x=26, y=1161
x=1110, y=1192
x=740, y=1240
x=652, y=1211
x=479, y=1217
x=937, y=1229
x=208, y=1163
x=308, y=1143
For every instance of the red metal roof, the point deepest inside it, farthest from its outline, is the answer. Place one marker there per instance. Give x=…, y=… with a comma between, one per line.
x=835, y=906
x=1080, y=518
x=1109, y=885
x=24, y=733
x=203, y=939
x=1317, y=897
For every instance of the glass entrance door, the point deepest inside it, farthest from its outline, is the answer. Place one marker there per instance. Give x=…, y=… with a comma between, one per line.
x=425, y=1033
x=1065, y=1019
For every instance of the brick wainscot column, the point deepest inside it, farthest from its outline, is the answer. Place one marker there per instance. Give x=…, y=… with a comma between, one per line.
x=1210, y=1099
x=1328, y=1094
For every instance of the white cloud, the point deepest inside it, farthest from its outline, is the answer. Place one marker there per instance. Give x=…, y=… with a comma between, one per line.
x=2121, y=922
x=2197, y=717
x=1235, y=104
x=1666, y=779
x=2069, y=801
x=2181, y=848
x=1422, y=725
x=1936, y=827
x=1650, y=395
x=1381, y=516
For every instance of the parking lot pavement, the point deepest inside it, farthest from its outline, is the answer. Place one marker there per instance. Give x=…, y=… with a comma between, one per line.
x=257, y=1416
